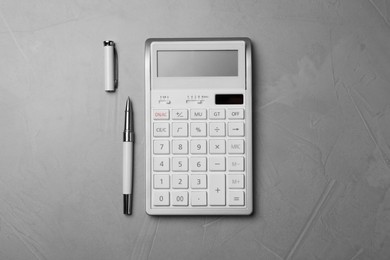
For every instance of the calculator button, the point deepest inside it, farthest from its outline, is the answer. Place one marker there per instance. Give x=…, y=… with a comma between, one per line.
x=236, y=129
x=217, y=146
x=217, y=190
x=161, y=147
x=199, y=181
x=198, y=146
x=236, y=198
x=217, y=164
x=198, y=129
x=198, y=198
x=236, y=181
x=180, y=164
x=236, y=164
x=179, y=146
x=179, y=114
x=217, y=129
x=180, y=198
x=217, y=114
x=198, y=114
x=161, y=181
x=161, y=114
x=198, y=164
x=161, y=129
x=180, y=181
x=236, y=146
x=161, y=164
x=179, y=130
x=237, y=113
x=161, y=198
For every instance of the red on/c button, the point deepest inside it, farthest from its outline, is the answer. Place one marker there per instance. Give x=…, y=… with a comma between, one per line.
x=161, y=114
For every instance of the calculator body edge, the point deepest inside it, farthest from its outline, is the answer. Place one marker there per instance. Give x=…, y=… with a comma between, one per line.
x=192, y=93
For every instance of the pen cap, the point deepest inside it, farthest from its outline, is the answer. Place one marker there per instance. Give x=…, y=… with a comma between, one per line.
x=109, y=66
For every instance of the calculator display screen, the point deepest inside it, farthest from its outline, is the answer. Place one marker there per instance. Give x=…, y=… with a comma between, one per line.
x=197, y=63
x=229, y=99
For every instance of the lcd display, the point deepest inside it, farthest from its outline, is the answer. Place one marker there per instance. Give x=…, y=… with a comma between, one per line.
x=199, y=63
x=229, y=99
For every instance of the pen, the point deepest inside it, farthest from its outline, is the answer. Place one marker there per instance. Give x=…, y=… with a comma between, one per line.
x=128, y=139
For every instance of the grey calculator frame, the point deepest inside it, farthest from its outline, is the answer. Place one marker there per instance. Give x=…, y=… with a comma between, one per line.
x=154, y=210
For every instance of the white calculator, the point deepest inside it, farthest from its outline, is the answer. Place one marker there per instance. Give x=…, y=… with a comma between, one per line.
x=198, y=126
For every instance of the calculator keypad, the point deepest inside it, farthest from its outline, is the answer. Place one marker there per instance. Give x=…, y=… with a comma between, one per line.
x=198, y=158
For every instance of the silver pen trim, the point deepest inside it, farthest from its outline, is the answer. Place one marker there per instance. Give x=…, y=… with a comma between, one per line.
x=127, y=205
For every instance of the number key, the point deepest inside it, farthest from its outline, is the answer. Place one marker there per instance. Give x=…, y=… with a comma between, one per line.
x=179, y=164
x=161, y=164
x=180, y=147
x=199, y=181
x=180, y=198
x=161, y=198
x=180, y=181
x=161, y=181
x=198, y=164
x=161, y=147
x=198, y=146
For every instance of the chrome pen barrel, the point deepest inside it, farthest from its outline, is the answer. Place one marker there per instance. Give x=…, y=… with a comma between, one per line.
x=128, y=121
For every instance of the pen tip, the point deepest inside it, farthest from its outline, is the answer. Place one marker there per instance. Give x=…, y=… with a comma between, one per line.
x=128, y=104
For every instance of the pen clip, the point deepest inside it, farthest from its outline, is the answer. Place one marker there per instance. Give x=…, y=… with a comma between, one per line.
x=116, y=68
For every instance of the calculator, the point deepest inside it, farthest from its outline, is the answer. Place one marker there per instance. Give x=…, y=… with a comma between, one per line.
x=198, y=105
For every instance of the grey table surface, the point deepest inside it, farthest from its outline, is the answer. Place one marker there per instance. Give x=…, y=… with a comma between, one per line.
x=321, y=130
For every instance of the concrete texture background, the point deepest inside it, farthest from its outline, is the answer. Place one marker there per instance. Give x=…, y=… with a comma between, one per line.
x=322, y=130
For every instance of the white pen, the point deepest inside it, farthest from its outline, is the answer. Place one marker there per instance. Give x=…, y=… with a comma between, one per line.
x=128, y=139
